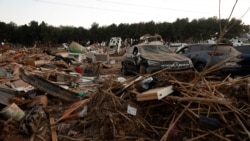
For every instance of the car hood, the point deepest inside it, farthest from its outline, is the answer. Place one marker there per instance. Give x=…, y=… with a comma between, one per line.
x=165, y=57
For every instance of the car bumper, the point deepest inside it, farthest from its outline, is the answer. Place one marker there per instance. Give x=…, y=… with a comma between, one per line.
x=244, y=70
x=152, y=69
x=232, y=70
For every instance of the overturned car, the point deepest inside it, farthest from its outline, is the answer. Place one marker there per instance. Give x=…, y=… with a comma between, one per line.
x=149, y=58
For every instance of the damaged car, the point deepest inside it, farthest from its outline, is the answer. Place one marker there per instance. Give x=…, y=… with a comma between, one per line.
x=245, y=59
x=149, y=58
x=207, y=55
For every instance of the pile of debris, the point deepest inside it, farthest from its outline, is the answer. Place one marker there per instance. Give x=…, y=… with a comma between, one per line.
x=182, y=106
x=53, y=101
x=33, y=78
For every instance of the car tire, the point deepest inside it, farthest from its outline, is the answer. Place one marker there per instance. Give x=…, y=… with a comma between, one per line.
x=199, y=66
x=142, y=70
x=124, y=70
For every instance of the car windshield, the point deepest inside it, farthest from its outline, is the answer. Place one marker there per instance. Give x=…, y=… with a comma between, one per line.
x=226, y=49
x=157, y=49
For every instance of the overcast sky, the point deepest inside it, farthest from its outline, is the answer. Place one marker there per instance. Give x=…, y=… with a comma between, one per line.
x=106, y=12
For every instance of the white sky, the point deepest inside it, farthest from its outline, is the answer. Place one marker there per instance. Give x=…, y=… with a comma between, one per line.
x=106, y=12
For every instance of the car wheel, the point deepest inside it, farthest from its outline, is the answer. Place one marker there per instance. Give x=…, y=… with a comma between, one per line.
x=142, y=69
x=124, y=70
x=199, y=66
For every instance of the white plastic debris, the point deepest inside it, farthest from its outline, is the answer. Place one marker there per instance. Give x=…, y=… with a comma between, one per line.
x=131, y=110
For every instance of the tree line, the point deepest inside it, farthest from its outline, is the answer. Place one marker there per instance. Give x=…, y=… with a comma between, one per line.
x=181, y=30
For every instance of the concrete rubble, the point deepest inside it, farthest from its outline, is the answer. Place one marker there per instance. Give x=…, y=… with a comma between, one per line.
x=46, y=94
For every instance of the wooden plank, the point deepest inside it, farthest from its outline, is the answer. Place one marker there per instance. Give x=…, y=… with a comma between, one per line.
x=164, y=92
x=41, y=62
x=145, y=97
x=47, y=86
x=53, y=129
x=72, y=108
x=153, y=94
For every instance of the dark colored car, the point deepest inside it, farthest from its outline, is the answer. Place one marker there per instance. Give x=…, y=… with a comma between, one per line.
x=149, y=58
x=245, y=56
x=211, y=54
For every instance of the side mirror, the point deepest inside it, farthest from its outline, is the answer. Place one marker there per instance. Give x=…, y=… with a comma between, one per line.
x=138, y=54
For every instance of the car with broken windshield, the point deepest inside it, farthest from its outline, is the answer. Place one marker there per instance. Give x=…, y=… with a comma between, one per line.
x=149, y=58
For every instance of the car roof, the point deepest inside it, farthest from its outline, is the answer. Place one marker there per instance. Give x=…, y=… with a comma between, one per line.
x=205, y=45
x=139, y=45
x=201, y=46
x=243, y=46
x=243, y=49
x=208, y=44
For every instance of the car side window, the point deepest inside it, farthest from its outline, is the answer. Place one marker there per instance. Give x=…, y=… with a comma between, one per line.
x=195, y=48
x=183, y=50
x=191, y=49
x=135, y=50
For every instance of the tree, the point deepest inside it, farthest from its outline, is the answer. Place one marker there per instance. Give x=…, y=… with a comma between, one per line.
x=181, y=30
x=34, y=32
x=124, y=30
x=93, y=32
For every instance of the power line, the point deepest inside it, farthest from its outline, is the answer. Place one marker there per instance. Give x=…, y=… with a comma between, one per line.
x=89, y=7
x=146, y=6
x=245, y=13
x=119, y=3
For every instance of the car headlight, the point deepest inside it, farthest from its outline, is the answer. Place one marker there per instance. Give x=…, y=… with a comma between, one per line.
x=231, y=64
x=153, y=63
x=190, y=63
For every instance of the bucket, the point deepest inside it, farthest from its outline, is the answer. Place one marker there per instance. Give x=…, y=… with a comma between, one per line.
x=13, y=111
x=75, y=47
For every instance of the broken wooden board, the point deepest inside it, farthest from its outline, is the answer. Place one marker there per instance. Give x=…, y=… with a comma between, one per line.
x=48, y=87
x=33, y=62
x=154, y=94
x=53, y=129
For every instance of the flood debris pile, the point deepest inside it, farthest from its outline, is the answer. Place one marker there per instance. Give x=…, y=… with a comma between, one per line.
x=109, y=118
x=200, y=109
x=37, y=85
x=43, y=98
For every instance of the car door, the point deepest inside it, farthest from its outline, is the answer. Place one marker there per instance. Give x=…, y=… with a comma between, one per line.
x=129, y=59
x=216, y=55
x=198, y=54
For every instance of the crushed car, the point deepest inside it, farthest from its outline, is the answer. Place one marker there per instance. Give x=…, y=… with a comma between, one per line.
x=245, y=56
x=151, y=39
x=207, y=55
x=149, y=58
